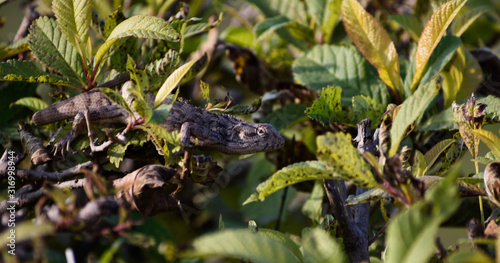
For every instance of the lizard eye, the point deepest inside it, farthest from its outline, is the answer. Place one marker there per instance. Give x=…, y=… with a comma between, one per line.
x=261, y=131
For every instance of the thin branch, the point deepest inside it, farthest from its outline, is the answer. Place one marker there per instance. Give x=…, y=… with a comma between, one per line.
x=36, y=175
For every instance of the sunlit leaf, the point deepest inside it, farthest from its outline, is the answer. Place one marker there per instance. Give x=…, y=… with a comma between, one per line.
x=440, y=57
x=73, y=17
x=34, y=104
x=139, y=26
x=462, y=78
x=292, y=174
x=54, y=51
x=172, y=81
x=14, y=48
x=490, y=139
x=374, y=43
x=433, y=31
x=27, y=71
x=340, y=156
x=328, y=107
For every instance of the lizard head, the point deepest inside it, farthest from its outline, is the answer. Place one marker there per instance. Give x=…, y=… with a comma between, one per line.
x=254, y=137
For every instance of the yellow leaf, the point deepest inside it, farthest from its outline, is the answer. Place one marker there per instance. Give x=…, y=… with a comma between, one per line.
x=433, y=31
x=374, y=43
x=172, y=82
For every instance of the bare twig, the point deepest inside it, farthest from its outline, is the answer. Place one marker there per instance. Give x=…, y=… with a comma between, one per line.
x=111, y=138
x=35, y=175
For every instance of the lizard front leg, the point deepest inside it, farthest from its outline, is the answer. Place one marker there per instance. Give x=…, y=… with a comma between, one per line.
x=66, y=140
x=193, y=134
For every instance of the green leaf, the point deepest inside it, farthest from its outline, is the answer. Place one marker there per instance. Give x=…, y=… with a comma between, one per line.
x=172, y=81
x=292, y=174
x=73, y=17
x=160, y=114
x=27, y=71
x=264, y=212
x=116, y=98
x=493, y=109
x=286, y=116
x=266, y=27
x=419, y=164
x=364, y=107
x=411, y=234
x=259, y=247
x=410, y=110
x=160, y=69
x=205, y=90
x=327, y=108
x=327, y=14
x=442, y=54
x=293, y=9
x=462, y=78
x=140, y=26
x=440, y=121
x=116, y=152
x=240, y=36
x=343, y=66
x=192, y=30
x=319, y=247
x=469, y=256
x=14, y=48
x=34, y=104
x=367, y=196
x=490, y=139
x=432, y=155
x=373, y=41
x=410, y=24
x=54, y=51
x=464, y=20
x=340, y=156
x=313, y=206
x=433, y=31
x=28, y=230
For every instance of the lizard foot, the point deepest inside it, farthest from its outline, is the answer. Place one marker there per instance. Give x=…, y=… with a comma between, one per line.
x=63, y=144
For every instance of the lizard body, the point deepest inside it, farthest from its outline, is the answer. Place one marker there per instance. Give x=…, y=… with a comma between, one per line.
x=206, y=130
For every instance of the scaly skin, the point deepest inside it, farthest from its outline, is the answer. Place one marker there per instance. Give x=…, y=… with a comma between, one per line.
x=206, y=130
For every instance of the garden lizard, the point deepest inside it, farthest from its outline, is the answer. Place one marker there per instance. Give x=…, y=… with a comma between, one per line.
x=200, y=128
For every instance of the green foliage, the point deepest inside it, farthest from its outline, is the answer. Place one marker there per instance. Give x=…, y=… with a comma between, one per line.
x=337, y=152
x=54, y=51
x=411, y=109
x=313, y=69
x=342, y=66
x=411, y=234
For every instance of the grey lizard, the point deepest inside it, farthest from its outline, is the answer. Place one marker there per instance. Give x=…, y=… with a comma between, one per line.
x=200, y=128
